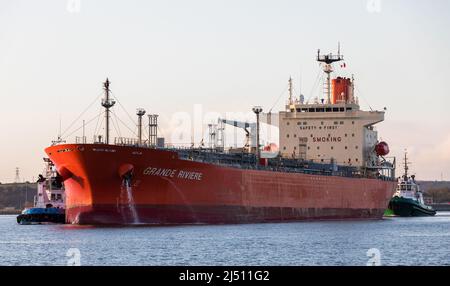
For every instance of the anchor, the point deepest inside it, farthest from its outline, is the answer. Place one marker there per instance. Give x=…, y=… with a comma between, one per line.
x=126, y=174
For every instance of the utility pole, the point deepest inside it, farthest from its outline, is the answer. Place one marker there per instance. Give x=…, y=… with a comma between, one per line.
x=17, y=178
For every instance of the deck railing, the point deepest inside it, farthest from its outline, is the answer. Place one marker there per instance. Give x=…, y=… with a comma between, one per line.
x=225, y=157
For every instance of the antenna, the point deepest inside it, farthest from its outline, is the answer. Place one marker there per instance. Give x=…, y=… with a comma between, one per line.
x=406, y=163
x=291, y=98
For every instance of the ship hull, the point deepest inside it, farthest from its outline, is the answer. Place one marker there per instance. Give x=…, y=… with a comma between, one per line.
x=41, y=216
x=181, y=214
x=163, y=189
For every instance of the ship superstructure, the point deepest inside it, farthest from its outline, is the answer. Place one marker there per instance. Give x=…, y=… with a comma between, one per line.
x=334, y=130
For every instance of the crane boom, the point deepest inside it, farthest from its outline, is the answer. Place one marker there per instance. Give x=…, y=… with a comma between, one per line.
x=239, y=124
x=250, y=135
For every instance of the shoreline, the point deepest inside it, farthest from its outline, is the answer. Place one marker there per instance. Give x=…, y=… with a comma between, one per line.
x=12, y=212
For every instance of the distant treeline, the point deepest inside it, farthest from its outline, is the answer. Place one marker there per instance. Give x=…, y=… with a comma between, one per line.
x=441, y=195
x=438, y=190
x=17, y=196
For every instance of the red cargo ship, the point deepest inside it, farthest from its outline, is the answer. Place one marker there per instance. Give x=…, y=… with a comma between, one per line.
x=136, y=181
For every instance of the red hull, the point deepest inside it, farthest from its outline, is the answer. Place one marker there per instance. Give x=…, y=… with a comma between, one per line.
x=168, y=190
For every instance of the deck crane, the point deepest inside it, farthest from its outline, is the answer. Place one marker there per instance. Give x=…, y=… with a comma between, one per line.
x=250, y=135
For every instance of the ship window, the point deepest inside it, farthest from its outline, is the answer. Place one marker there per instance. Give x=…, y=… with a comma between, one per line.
x=321, y=160
x=335, y=109
x=328, y=109
x=311, y=110
x=356, y=159
x=318, y=147
x=332, y=147
x=295, y=147
x=320, y=127
x=299, y=110
x=353, y=122
x=341, y=109
x=349, y=109
x=295, y=135
x=320, y=110
x=321, y=123
x=345, y=147
x=342, y=122
x=304, y=123
x=287, y=135
x=356, y=147
x=311, y=135
x=309, y=148
x=298, y=123
x=353, y=134
x=335, y=123
x=345, y=134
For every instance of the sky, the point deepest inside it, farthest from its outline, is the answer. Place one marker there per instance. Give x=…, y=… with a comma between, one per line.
x=222, y=56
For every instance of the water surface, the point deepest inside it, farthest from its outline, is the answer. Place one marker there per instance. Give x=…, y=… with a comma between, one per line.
x=400, y=241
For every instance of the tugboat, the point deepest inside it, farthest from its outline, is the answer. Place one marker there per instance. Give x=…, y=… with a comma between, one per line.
x=408, y=198
x=49, y=204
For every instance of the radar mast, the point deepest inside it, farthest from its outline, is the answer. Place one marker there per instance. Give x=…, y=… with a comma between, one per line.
x=327, y=61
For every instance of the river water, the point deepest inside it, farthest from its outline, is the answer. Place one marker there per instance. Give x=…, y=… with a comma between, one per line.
x=391, y=241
